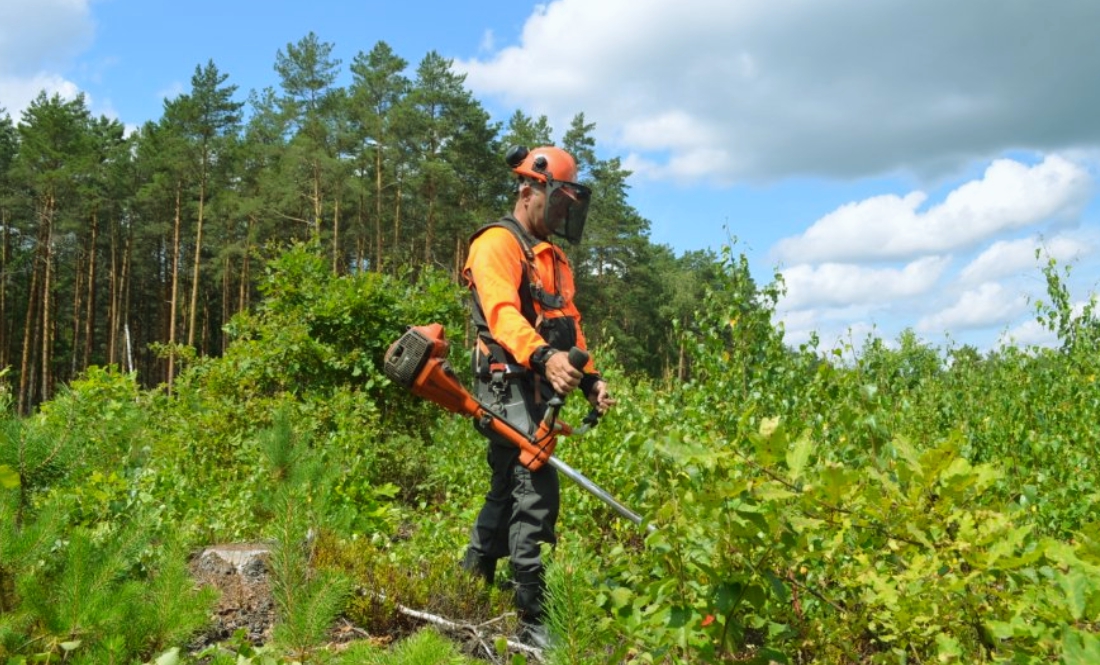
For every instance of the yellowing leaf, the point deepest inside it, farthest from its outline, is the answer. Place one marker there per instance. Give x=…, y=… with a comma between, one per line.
x=768, y=427
x=773, y=492
x=797, y=456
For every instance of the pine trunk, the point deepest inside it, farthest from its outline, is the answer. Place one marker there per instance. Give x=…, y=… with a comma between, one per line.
x=47, y=306
x=90, y=301
x=396, y=222
x=115, y=287
x=30, y=337
x=378, y=246
x=336, y=237
x=242, y=300
x=174, y=292
x=430, y=232
x=226, y=271
x=124, y=298
x=317, y=201
x=77, y=314
x=193, y=313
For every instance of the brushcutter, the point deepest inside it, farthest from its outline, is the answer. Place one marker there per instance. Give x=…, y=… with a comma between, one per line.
x=418, y=362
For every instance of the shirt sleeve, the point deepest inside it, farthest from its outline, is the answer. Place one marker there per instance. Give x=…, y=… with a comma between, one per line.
x=495, y=268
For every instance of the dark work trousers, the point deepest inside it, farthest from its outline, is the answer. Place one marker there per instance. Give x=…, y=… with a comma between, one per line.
x=521, y=508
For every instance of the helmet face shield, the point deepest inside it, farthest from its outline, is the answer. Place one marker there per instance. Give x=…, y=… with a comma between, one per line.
x=567, y=209
x=555, y=170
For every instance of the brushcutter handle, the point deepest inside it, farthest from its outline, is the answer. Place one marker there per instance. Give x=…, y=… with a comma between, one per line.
x=578, y=358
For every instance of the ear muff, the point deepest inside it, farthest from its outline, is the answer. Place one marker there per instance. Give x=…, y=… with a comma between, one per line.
x=515, y=156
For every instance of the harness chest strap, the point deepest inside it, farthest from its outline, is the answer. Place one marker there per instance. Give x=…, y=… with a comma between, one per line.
x=530, y=293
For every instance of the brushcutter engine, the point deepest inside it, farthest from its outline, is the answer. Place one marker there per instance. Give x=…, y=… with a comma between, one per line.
x=418, y=361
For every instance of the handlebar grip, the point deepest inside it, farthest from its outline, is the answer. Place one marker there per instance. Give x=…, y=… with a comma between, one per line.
x=578, y=357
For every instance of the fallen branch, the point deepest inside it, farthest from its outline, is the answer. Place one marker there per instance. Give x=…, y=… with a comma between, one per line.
x=475, y=631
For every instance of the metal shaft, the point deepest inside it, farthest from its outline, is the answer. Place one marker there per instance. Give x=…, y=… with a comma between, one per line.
x=598, y=492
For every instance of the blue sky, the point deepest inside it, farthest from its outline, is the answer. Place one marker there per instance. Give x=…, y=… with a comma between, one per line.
x=899, y=163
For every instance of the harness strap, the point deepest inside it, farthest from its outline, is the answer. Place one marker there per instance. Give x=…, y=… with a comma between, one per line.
x=530, y=292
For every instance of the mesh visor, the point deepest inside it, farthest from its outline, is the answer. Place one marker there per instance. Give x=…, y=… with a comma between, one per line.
x=567, y=209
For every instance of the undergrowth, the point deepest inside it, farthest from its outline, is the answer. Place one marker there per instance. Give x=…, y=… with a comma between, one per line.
x=884, y=503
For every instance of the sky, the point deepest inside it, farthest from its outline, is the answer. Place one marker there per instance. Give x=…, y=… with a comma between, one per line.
x=899, y=164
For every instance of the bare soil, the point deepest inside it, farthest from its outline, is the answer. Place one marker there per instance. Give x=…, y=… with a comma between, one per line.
x=239, y=573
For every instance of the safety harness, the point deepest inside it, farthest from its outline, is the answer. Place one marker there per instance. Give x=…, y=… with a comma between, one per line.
x=500, y=366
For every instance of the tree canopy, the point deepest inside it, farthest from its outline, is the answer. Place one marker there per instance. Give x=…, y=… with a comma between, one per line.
x=137, y=250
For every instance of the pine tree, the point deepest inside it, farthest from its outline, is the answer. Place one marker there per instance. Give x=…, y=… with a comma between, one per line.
x=377, y=90
x=211, y=124
x=55, y=150
x=9, y=146
x=307, y=73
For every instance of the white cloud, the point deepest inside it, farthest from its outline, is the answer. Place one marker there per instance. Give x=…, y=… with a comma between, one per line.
x=1028, y=333
x=834, y=284
x=834, y=328
x=771, y=88
x=17, y=93
x=488, y=42
x=38, y=38
x=1009, y=257
x=989, y=305
x=1009, y=196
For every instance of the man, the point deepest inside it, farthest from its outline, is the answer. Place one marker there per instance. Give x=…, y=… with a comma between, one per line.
x=522, y=288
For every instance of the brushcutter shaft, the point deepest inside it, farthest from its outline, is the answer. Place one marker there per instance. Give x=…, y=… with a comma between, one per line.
x=597, y=491
x=579, y=358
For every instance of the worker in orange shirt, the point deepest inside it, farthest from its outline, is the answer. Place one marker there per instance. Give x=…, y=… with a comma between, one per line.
x=522, y=288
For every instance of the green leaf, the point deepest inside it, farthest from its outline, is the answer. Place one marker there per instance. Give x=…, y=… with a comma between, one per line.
x=9, y=478
x=1080, y=648
x=679, y=616
x=620, y=597
x=1076, y=586
x=947, y=648
x=770, y=441
x=69, y=646
x=756, y=596
x=798, y=455
x=1006, y=545
x=770, y=655
x=726, y=595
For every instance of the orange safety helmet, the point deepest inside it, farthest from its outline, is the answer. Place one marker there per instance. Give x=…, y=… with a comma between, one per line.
x=567, y=208
x=542, y=163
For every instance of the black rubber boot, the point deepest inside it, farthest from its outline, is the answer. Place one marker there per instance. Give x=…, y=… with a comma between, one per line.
x=482, y=567
x=529, y=589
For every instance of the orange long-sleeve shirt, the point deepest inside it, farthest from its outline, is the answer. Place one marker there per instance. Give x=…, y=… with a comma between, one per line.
x=495, y=269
